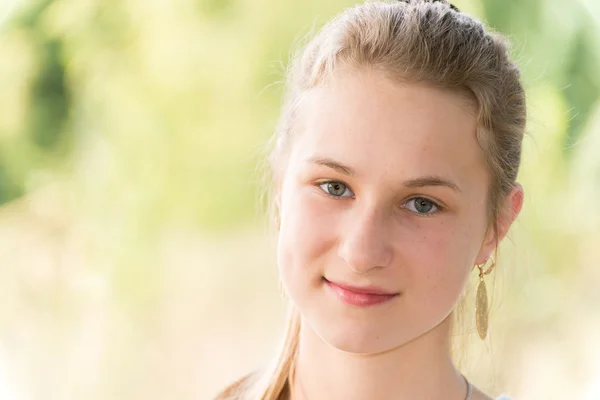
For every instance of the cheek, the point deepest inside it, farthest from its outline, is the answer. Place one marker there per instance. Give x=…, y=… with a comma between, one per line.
x=307, y=234
x=440, y=260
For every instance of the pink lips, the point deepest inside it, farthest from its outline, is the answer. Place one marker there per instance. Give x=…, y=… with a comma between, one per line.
x=360, y=296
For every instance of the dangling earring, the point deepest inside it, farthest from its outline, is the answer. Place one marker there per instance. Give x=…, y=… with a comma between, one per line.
x=481, y=303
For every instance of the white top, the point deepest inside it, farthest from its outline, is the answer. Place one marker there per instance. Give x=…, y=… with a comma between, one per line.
x=503, y=397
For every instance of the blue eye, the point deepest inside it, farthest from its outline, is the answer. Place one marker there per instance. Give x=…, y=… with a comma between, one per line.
x=335, y=188
x=422, y=206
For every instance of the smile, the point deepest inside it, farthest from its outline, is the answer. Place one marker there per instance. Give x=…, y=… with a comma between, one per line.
x=359, y=296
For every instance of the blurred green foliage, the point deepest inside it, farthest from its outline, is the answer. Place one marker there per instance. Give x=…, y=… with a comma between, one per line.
x=191, y=83
x=150, y=118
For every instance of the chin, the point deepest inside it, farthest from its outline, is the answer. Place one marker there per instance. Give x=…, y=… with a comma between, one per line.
x=353, y=338
x=353, y=346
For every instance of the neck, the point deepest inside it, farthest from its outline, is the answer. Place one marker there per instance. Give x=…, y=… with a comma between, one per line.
x=419, y=369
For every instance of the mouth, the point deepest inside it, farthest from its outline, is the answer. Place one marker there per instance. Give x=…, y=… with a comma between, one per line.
x=361, y=296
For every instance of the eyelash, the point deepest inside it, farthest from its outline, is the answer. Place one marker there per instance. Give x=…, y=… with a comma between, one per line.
x=435, y=204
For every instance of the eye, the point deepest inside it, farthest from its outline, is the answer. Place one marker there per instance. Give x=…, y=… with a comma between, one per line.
x=421, y=205
x=335, y=188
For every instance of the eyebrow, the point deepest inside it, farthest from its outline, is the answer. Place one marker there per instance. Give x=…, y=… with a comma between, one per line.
x=423, y=181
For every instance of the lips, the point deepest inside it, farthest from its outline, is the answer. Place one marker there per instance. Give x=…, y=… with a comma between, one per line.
x=361, y=296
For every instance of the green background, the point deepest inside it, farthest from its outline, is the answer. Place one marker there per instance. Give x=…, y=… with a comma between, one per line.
x=134, y=262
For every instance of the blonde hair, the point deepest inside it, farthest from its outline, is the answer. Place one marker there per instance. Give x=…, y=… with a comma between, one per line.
x=419, y=41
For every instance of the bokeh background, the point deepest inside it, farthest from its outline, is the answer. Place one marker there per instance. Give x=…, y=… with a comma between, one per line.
x=135, y=262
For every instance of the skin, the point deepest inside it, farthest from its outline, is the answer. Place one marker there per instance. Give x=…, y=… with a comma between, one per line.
x=369, y=229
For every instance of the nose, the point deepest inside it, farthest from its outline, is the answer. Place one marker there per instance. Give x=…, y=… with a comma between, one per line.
x=366, y=244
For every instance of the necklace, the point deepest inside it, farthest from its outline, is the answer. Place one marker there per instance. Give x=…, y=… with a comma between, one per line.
x=469, y=388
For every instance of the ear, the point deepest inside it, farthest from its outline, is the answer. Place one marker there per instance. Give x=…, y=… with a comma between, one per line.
x=277, y=189
x=277, y=210
x=278, y=202
x=510, y=209
x=277, y=194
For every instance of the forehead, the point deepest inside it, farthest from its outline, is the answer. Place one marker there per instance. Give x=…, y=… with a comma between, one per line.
x=388, y=129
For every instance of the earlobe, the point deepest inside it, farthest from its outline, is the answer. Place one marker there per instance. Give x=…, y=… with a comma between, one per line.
x=487, y=248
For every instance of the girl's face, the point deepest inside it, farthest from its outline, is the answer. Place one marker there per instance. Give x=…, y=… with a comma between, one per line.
x=384, y=191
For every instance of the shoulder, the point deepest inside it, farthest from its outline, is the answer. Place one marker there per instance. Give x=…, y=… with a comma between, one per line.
x=478, y=394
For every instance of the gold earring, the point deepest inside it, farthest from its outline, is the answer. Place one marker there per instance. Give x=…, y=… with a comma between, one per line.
x=481, y=303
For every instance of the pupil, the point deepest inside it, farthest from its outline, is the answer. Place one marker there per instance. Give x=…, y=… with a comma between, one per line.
x=337, y=189
x=423, y=206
